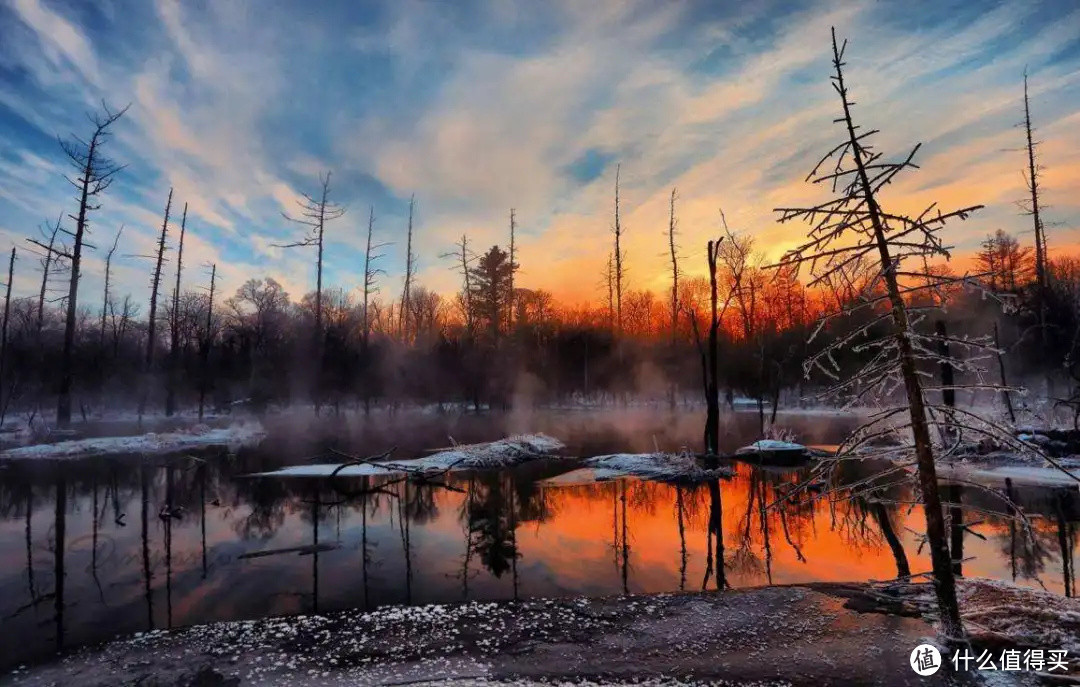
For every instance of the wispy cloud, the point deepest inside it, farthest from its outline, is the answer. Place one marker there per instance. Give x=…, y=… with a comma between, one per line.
x=477, y=107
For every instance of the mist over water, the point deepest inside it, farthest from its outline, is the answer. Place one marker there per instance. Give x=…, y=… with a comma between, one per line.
x=163, y=542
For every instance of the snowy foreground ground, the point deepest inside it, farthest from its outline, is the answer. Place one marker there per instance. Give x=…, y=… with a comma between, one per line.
x=811, y=635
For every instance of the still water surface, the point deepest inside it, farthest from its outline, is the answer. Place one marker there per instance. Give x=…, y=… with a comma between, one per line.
x=88, y=548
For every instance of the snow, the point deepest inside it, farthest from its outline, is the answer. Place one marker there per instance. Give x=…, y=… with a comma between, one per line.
x=655, y=466
x=1019, y=474
x=200, y=436
x=583, y=476
x=769, y=445
x=494, y=454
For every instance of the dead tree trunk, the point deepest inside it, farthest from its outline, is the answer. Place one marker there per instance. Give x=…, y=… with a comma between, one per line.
x=403, y=316
x=945, y=582
x=105, y=300
x=96, y=174
x=174, y=334
x=712, y=378
x=207, y=341
x=314, y=215
x=4, y=398
x=618, y=256
x=151, y=325
x=46, y=263
x=674, y=299
x=370, y=272
x=1001, y=374
x=1040, y=235
x=510, y=296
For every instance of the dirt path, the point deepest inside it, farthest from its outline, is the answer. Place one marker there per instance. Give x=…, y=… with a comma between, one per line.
x=766, y=636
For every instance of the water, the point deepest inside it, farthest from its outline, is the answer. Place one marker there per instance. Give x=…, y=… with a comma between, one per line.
x=245, y=548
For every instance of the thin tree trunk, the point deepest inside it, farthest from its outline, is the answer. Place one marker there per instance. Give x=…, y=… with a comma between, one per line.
x=105, y=307
x=510, y=299
x=1001, y=374
x=4, y=400
x=945, y=582
x=674, y=300
x=712, y=384
x=151, y=326
x=63, y=403
x=207, y=340
x=45, y=276
x=174, y=348
x=618, y=256
x=1040, y=237
x=403, y=316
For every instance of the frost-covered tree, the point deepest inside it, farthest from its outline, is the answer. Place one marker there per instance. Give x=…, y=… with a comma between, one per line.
x=856, y=226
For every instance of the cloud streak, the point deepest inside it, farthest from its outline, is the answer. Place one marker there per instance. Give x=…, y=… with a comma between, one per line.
x=480, y=106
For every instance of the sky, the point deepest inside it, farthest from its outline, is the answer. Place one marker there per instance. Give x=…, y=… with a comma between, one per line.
x=480, y=106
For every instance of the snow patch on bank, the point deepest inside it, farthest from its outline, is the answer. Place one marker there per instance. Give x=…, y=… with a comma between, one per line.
x=493, y=454
x=1018, y=474
x=770, y=446
x=200, y=436
x=663, y=467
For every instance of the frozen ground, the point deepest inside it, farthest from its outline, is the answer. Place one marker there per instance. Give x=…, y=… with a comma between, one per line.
x=200, y=436
x=494, y=454
x=664, y=467
x=767, y=636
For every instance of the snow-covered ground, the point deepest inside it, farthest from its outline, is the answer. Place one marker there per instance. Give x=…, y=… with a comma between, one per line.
x=766, y=636
x=241, y=434
x=664, y=467
x=771, y=446
x=1018, y=474
x=494, y=454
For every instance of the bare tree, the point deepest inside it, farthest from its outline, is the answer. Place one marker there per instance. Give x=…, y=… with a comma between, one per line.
x=370, y=273
x=854, y=225
x=672, y=223
x=155, y=284
x=513, y=256
x=50, y=255
x=464, y=258
x=96, y=173
x=106, y=300
x=403, y=314
x=618, y=256
x=1032, y=178
x=4, y=397
x=207, y=340
x=174, y=335
x=314, y=214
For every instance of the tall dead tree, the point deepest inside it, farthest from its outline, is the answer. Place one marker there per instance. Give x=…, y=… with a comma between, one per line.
x=403, y=315
x=205, y=344
x=513, y=256
x=4, y=398
x=174, y=333
x=106, y=302
x=712, y=374
x=463, y=259
x=1032, y=179
x=674, y=293
x=853, y=226
x=47, y=261
x=609, y=277
x=370, y=273
x=96, y=173
x=314, y=215
x=618, y=256
x=155, y=284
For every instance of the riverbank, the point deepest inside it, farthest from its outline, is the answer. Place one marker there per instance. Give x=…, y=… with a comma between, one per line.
x=826, y=634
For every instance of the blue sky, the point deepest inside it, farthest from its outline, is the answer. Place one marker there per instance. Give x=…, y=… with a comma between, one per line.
x=477, y=107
